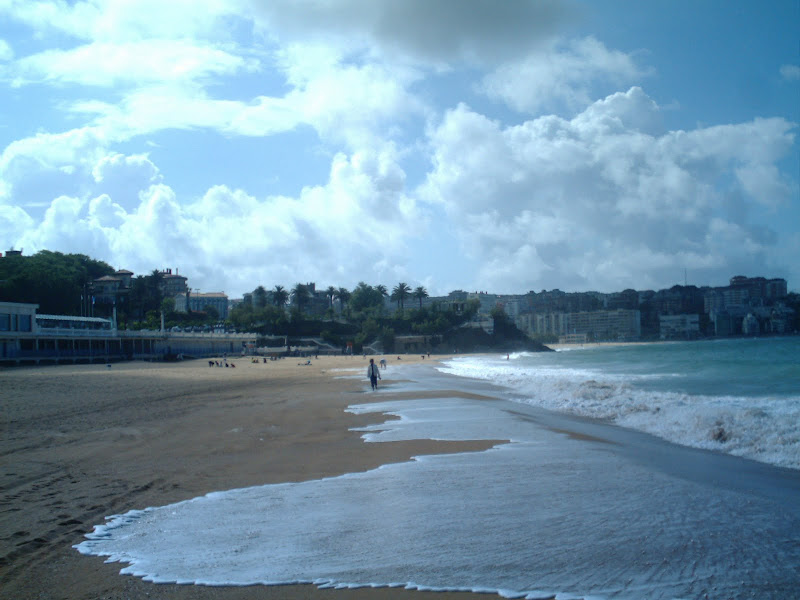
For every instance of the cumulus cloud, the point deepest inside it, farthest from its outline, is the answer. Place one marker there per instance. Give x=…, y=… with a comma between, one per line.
x=76, y=146
x=562, y=75
x=14, y=222
x=598, y=193
x=63, y=226
x=36, y=169
x=230, y=239
x=602, y=197
x=122, y=177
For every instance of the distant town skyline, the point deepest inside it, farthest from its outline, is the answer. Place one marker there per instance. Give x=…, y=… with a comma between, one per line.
x=453, y=144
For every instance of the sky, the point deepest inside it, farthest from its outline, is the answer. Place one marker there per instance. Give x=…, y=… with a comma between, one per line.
x=454, y=144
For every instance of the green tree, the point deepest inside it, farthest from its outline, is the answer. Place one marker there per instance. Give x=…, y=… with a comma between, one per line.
x=343, y=294
x=259, y=297
x=155, y=286
x=168, y=305
x=366, y=298
x=387, y=339
x=280, y=296
x=399, y=294
x=58, y=283
x=301, y=296
x=420, y=293
x=331, y=294
x=500, y=319
x=145, y=296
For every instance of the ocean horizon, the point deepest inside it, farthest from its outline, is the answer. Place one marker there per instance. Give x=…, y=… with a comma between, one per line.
x=575, y=501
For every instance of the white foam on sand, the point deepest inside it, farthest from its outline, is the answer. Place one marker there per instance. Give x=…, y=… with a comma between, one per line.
x=546, y=514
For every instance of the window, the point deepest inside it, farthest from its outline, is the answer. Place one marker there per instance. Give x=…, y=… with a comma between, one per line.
x=24, y=322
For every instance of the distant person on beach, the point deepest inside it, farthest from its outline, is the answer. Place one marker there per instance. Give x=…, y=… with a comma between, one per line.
x=374, y=373
x=383, y=363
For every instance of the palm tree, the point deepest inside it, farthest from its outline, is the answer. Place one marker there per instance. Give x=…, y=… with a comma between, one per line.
x=400, y=293
x=280, y=296
x=331, y=294
x=259, y=297
x=420, y=293
x=384, y=292
x=300, y=295
x=343, y=294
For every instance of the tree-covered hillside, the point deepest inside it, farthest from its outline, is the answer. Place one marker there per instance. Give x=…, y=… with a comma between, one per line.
x=53, y=280
x=62, y=284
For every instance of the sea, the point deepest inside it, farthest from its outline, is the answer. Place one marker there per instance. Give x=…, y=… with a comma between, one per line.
x=641, y=471
x=739, y=396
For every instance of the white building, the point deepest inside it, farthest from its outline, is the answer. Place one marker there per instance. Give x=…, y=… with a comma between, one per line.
x=599, y=325
x=199, y=301
x=680, y=327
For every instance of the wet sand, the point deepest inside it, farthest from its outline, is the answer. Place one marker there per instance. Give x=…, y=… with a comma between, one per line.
x=83, y=442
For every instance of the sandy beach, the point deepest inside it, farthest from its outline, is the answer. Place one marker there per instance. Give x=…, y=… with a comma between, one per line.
x=83, y=442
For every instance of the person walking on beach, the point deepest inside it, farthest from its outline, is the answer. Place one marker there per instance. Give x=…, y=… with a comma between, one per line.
x=374, y=373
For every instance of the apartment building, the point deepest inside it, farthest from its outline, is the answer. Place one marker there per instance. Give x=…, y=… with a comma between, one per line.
x=199, y=302
x=679, y=327
x=600, y=325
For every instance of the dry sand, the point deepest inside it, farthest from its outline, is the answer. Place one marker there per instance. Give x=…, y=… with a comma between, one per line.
x=86, y=441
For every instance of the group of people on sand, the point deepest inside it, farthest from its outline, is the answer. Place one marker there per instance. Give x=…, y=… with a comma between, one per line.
x=223, y=363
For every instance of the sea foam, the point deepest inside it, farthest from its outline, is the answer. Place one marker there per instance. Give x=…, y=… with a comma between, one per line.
x=544, y=515
x=764, y=428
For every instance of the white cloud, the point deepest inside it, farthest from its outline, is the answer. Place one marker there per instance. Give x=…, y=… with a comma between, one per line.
x=578, y=197
x=104, y=213
x=562, y=75
x=6, y=53
x=144, y=62
x=601, y=196
x=122, y=177
x=152, y=109
x=790, y=72
x=122, y=20
x=230, y=240
x=63, y=227
x=36, y=169
x=76, y=146
x=14, y=222
x=356, y=104
x=764, y=183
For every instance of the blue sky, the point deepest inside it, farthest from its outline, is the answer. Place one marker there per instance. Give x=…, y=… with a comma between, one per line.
x=458, y=144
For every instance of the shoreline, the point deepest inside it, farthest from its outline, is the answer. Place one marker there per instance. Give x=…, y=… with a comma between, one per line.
x=83, y=442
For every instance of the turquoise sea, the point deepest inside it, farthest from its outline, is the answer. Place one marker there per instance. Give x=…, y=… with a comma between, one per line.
x=614, y=475
x=740, y=396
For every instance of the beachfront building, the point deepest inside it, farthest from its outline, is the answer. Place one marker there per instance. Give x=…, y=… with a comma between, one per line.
x=30, y=338
x=106, y=288
x=679, y=327
x=15, y=319
x=173, y=284
x=107, y=292
x=599, y=325
x=200, y=302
